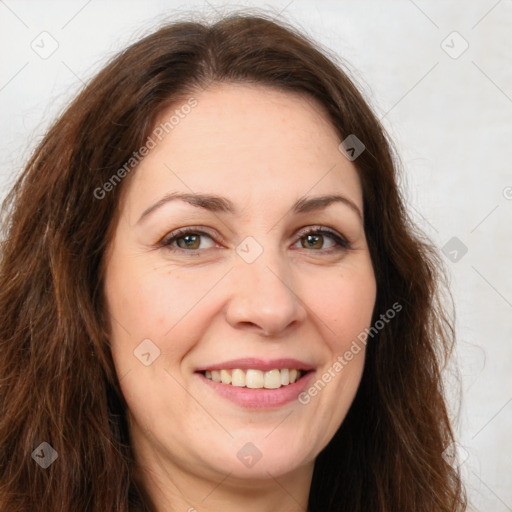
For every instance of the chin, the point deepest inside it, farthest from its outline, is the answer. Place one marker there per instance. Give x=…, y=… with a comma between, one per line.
x=259, y=459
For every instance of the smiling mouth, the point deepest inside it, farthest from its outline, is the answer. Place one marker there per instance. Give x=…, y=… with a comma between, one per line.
x=255, y=379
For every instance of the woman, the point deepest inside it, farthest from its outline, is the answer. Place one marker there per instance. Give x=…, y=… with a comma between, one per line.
x=211, y=296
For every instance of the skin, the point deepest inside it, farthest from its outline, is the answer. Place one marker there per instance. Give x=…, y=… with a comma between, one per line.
x=263, y=149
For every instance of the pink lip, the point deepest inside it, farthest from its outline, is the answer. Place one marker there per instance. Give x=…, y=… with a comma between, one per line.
x=258, y=364
x=260, y=398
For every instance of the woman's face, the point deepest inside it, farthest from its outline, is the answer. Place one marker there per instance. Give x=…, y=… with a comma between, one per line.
x=244, y=288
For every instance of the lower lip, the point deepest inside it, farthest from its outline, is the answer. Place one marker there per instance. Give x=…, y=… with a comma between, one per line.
x=260, y=398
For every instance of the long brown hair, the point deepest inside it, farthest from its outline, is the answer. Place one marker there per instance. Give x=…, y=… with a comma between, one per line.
x=57, y=379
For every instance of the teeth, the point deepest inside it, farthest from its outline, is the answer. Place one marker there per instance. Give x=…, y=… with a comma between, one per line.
x=272, y=379
x=238, y=378
x=255, y=379
x=225, y=377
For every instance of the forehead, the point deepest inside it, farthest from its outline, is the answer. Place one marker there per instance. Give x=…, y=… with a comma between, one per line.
x=250, y=142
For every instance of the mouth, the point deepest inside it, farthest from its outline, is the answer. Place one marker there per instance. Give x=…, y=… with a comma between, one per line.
x=257, y=384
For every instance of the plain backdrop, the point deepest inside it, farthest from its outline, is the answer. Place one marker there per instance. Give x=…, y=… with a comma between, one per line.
x=439, y=74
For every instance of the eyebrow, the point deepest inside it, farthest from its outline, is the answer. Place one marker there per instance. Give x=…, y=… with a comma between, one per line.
x=221, y=204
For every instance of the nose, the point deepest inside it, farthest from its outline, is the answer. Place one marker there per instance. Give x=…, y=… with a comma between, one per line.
x=264, y=297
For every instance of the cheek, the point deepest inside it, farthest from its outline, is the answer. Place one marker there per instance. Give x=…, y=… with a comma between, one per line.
x=344, y=303
x=148, y=300
x=163, y=305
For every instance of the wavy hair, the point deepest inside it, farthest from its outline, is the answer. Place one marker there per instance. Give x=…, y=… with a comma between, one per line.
x=57, y=379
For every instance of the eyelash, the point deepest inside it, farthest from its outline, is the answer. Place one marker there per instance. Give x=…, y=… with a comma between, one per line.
x=341, y=242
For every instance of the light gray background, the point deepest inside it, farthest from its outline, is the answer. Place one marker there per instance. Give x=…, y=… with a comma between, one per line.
x=450, y=114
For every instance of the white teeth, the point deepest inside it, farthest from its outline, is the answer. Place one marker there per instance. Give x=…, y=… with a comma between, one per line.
x=272, y=379
x=255, y=379
x=238, y=378
x=225, y=377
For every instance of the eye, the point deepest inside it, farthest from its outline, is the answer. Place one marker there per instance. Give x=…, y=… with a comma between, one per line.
x=186, y=239
x=314, y=238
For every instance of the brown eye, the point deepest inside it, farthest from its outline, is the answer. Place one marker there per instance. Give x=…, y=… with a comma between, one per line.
x=312, y=241
x=187, y=240
x=315, y=239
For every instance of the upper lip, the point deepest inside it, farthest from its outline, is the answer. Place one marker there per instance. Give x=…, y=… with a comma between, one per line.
x=258, y=364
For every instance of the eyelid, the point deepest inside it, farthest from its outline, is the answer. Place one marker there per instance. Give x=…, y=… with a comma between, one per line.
x=319, y=227
x=196, y=230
